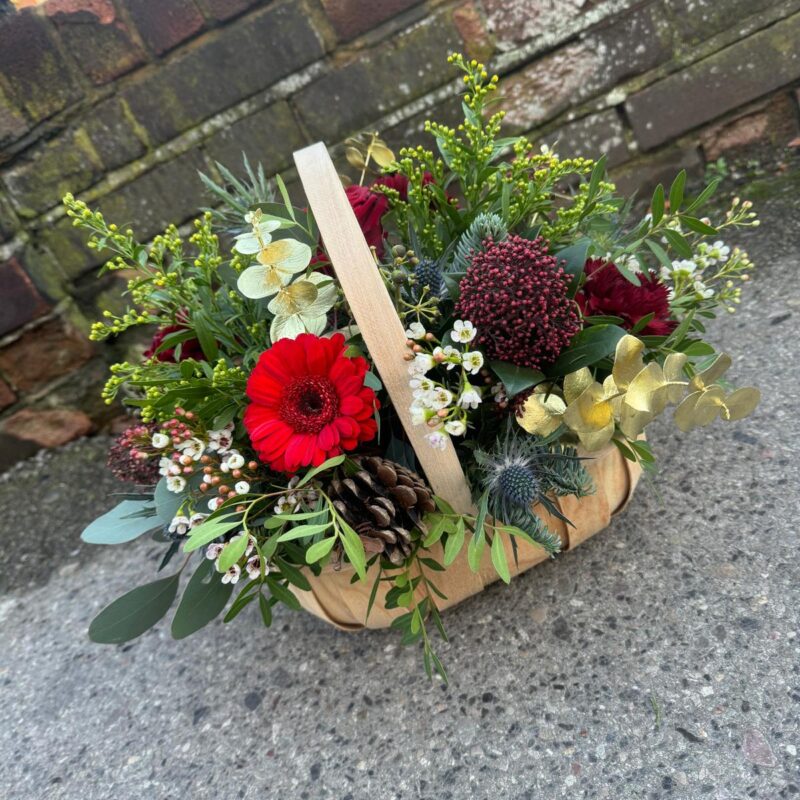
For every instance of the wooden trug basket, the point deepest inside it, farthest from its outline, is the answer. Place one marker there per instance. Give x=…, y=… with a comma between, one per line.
x=333, y=597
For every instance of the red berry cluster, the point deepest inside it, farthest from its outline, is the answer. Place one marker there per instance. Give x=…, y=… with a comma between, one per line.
x=128, y=458
x=515, y=294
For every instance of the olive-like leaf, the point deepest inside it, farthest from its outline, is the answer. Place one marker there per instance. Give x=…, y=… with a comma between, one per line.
x=203, y=599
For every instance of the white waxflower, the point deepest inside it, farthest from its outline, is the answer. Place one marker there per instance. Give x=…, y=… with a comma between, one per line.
x=176, y=483
x=718, y=252
x=499, y=393
x=684, y=267
x=463, y=331
x=416, y=330
x=160, y=440
x=472, y=361
x=220, y=441
x=702, y=290
x=193, y=447
x=214, y=550
x=437, y=440
x=233, y=574
x=469, y=398
x=421, y=384
x=278, y=263
x=180, y=525
x=449, y=356
x=665, y=273
x=197, y=519
x=419, y=415
x=422, y=363
x=241, y=487
x=234, y=460
x=253, y=567
x=251, y=544
x=165, y=466
x=286, y=504
x=455, y=427
x=214, y=503
x=440, y=398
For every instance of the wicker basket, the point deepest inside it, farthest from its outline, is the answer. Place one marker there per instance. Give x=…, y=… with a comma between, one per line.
x=333, y=597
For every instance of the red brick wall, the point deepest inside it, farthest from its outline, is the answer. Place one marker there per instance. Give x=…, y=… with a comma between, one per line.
x=121, y=101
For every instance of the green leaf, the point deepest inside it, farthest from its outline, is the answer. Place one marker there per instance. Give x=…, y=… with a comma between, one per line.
x=205, y=335
x=587, y=347
x=293, y=575
x=657, y=204
x=119, y=525
x=455, y=541
x=676, y=192
x=266, y=611
x=373, y=381
x=354, y=548
x=575, y=258
x=167, y=503
x=232, y=552
x=598, y=173
x=704, y=195
x=329, y=464
x=436, y=523
x=320, y=549
x=516, y=379
x=132, y=614
x=475, y=551
x=698, y=226
x=300, y=531
x=211, y=529
x=499, y=558
x=659, y=253
x=203, y=599
x=282, y=593
x=679, y=244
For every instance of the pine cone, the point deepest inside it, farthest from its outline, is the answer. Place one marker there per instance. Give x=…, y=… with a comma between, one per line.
x=383, y=502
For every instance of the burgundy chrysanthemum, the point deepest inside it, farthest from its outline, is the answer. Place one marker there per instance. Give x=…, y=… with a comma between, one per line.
x=607, y=292
x=190, y=348
x=369, y=208
x=515, y=294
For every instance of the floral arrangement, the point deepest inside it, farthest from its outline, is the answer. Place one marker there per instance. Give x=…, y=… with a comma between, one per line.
x=544, y=322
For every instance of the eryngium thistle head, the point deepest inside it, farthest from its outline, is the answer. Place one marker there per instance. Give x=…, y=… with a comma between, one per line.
x=428, y=274
x=516, y=482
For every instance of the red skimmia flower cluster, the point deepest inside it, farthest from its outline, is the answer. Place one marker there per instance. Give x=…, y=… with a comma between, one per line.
x=607, y=292
x=308, y=402
x=515, y=294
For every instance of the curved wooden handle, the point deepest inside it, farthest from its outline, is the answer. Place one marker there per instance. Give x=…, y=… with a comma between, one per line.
x=374, y=313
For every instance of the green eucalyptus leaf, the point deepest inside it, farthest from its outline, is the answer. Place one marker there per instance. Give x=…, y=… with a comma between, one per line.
x=167, y=503
x=132, y=614
x=203, y=600
x=120, y=525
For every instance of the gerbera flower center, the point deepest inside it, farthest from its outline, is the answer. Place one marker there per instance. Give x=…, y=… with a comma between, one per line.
x=309, y=403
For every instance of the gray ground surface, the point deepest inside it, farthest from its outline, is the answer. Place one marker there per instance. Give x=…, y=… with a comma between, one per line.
x=659, y=660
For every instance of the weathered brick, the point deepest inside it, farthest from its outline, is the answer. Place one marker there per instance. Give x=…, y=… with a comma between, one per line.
x=47, y=427
x=7, y=396
x=44, y=353
x=13, y=124
x=379, y=80
x=771, y=124
x=591, y=137
x=269, y=136
x=100, y=40
x=67, y=245
x=411, y=132
x=33, y=68
x=227, y=67
x=171, y=192
x=576, y=72
x=21, y=300
x=221, y=10
x=163, y=26
x=67, y=163
x=643, y=174
x=726, y=80
x=112, y=134
x=472, y=28
x=350, y=18
x=513, y=22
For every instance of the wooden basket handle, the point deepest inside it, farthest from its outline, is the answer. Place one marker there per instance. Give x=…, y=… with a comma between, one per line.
x=374, y=314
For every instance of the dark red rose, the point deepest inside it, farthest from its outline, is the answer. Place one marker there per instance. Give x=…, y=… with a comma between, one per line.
x=369, y=207
x=190, y=348
x=607, y=292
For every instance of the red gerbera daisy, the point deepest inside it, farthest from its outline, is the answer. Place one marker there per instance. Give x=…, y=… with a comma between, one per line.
x=309, y=402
